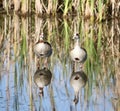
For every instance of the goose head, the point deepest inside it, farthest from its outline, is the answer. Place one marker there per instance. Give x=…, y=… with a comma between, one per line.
x=42, y=78
x=76, y=36
x=76, y=39
x=78, y=81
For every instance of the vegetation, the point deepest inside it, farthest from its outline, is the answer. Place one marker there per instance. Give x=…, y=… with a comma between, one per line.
x=19, y=34
x=94, y=9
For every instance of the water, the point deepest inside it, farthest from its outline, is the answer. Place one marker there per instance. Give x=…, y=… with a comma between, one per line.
x=18, y=64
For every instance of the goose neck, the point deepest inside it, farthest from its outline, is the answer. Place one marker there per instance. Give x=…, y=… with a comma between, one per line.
x=77, y=42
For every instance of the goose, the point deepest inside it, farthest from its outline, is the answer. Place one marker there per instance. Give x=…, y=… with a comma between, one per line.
x=42, y=48
x=78, y=80
x=42, y=78
x=78, y=54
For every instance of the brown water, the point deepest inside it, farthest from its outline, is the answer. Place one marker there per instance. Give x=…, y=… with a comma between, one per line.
x=18, y=63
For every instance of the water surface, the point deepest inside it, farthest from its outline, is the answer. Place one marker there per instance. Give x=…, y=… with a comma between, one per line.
x=18, y=91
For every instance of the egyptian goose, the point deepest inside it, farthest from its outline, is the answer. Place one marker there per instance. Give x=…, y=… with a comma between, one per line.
x=42, y=48
x=78, y=54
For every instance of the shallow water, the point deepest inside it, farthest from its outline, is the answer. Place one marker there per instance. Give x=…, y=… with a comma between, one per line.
x=18, y=64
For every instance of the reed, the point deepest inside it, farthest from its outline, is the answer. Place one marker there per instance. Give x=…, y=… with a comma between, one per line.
x=92, y=2
x=55, y=5
x=38, y=28
x=99, y=37
x=66, y=7
x=5, y=5
x=38, y=7
x=16, y=38
x=16, y=5
x=100, y=9
x=49, y=29
x=87, y=10
x=24, y=41
x=24, y=7
x=66, y=35
x=76, y=5
x=93, y=9
x=50, y=6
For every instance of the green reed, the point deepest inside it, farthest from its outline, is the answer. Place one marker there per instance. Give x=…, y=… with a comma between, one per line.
x=93, y=65
x=92, y=9
x=55, y=3
x=99, y=37
x=66, y=5
x=24, y=38
x=23, y=46
x=66, y=35
x=100, y=9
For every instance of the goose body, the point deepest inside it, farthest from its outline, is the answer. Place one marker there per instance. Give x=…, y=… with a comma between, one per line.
x=42, y=78
x=78, y=54
x=42, y=48
x=78, y=81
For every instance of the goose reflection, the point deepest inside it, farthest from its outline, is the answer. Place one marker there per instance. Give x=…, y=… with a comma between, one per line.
x=43, y=48
x=78, y=81
x=78, y=54
x=42, y=78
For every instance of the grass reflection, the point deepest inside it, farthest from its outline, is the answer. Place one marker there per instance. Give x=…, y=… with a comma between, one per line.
x=102, y=66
